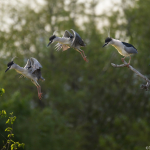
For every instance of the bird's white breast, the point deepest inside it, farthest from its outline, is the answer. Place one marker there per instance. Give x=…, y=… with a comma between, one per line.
x=25, y=73
x=120, y=48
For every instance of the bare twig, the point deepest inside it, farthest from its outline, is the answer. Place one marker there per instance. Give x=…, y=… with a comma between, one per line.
x=143, y=86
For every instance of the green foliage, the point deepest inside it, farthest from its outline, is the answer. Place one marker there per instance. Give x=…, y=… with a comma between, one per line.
x=15, y=145
x=11, y=119
x=9, y=142
x=2, y=91
x=3, y=113
x=85, y=105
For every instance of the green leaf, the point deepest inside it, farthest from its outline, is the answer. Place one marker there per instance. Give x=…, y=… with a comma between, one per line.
x=8, y=141
x=8, y=129
x=2, y=91
x=22, y=145
x=4, y=147
x=10, y=135
x=11, y=113
x=7, y=121
x=3, y=113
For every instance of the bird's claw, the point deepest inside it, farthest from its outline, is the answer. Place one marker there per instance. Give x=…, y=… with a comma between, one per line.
x=85, y=59
x=127, y=65
x=122, y=59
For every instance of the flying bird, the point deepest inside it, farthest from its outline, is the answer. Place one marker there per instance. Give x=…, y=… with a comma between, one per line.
x=31, y=70
x=124, y=49
x=69, y=40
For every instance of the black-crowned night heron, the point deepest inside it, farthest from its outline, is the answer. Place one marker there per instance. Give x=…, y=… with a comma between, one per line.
x=32, y=70
x=69, y=40
x=123, y=48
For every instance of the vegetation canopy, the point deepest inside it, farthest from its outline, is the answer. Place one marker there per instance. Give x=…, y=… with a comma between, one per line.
x=85, y=106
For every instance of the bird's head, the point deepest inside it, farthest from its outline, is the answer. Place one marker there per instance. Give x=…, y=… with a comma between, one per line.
x=10, y=64
x=51, y=39
x=107, y=41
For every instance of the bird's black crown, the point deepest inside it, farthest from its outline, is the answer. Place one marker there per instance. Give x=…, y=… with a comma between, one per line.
x=10, y=63
x=108, y=39
x=52, y=37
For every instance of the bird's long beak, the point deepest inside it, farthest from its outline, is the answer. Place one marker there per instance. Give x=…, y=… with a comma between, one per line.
x=49, y=43
x=7, y=69
x=105, y=44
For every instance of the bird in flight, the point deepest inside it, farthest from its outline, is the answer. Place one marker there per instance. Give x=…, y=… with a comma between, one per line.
x=69, y=40
x=31, y=70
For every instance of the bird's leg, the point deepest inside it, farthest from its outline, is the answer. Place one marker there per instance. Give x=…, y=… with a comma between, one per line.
x=84, y=57
x=129, y=62
x=39, y=92
x=122, y=59
x=82, y=54
x=38, y=88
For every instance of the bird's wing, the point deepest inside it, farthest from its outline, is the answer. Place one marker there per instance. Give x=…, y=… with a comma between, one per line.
x=130, y=48
x=67, y=34
x=35, y=65
x=32, y=65
x=28, y=64
x=59, y=46
x=64, y=47
x=77, y=41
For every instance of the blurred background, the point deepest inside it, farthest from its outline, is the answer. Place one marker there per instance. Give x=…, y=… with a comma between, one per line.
x=85, y=106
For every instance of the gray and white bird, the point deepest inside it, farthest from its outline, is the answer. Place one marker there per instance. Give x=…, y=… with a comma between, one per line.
x=31, y=70
x=124, y=49
x=69, y=40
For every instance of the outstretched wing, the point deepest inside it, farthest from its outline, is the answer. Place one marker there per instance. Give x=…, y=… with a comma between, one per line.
x=28, y=64
x=32, y=64
x=35, y=65
x=67, y=34
x=77, y=41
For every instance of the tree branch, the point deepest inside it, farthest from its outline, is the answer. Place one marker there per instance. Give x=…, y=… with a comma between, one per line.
x=143, y=86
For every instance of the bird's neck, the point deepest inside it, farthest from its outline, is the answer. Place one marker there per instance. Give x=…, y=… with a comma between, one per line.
x=18, y=69
x=62, y=40
x=119, y=46
x=115, y=42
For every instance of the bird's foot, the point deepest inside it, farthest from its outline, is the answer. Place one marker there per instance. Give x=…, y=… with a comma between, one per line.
x=127, y=65
x=85, y=59
x=122, y=59
x=40, y=95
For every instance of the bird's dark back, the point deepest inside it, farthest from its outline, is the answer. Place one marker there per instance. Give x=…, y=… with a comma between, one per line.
x=79, y=40
x=128, y=45
x=37, y=73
